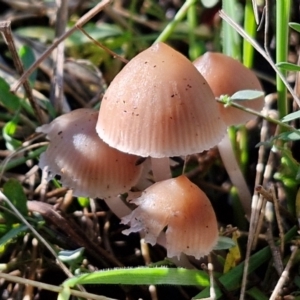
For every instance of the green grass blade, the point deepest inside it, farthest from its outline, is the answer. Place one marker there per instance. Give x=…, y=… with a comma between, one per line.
x=142, y=276
x=282, y=42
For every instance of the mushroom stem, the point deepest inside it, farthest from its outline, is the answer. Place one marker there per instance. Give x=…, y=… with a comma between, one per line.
x=117, y=206
x=161, y=168
x=234, y=172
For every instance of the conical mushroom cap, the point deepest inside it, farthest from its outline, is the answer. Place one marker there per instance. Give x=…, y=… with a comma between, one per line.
x=184, y=209
x=84, y=162
x=159, y=105
x=227, y=76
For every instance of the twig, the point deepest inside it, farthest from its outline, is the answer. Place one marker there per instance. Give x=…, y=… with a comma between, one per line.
x=261, y=190
x=59, y=57
x=5, y=29
x=256, y=201
x=255, y=10
x=113, y=54
x=278, y=264
x=279, y=220
x=85, y=18
x=284, y=276
x=49, y=287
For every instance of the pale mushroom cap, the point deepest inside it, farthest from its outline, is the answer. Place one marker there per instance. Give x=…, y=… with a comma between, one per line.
x=186, y=211
x=159, y=105
x=85, y=163
x=227, y=76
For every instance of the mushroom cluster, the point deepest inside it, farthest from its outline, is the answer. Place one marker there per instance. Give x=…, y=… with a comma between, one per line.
x=159, y=105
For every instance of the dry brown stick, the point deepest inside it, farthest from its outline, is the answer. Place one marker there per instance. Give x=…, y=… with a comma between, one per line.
x=256, y=199
x=284, y=276
x=56, y=93
x=85, y=18
x=261, y=190
x=279, y=220
x=5, y=29
x=278, y=264
x=113, y=54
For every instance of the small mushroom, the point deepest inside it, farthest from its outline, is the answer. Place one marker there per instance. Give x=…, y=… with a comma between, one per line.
x=159, y=105
x=227, y=76
x=83, y=161
x=180, y=206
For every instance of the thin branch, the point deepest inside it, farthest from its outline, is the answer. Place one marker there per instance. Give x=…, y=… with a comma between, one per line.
x=50, y=287
x=5, y=29
x=113, y=54
x=284, y=276
x=85, y=18
x=59, y=57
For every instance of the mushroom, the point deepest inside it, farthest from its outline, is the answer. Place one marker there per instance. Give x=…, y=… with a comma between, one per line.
x=83, y=161
x=159, y=105
x=183, y=208
x=227, y=76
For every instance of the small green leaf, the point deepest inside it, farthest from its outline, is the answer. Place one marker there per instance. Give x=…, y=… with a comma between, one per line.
x=292, y=116
x=43, y=34
x=64, y=294
x=8, y=132
x=83, y=201
x=13, y=190
x=288, y=66
x=209, y=3
x=295, y=26
x=71, y=257
x=289, y=136
x=224, y=243
x=11, y=235
x=8, y=99
x=27, y=56
x=246, y=95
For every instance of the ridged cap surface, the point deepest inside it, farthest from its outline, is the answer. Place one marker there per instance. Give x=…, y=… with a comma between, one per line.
x=159, y=105
x=184, y=209
x=84, y=162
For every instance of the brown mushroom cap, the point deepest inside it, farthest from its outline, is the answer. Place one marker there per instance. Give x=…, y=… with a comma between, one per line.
x=159, y=105
x=227, y=76
x=85, y=163
x=186, y=211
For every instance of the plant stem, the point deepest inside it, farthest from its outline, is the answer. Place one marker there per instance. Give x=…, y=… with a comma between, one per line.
x=250, y=28
x=194, y=49
x=166, y=33
x=231, y=39
x=282, y=36
x=49, y=287
x=21, y=160
x=258, y=114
